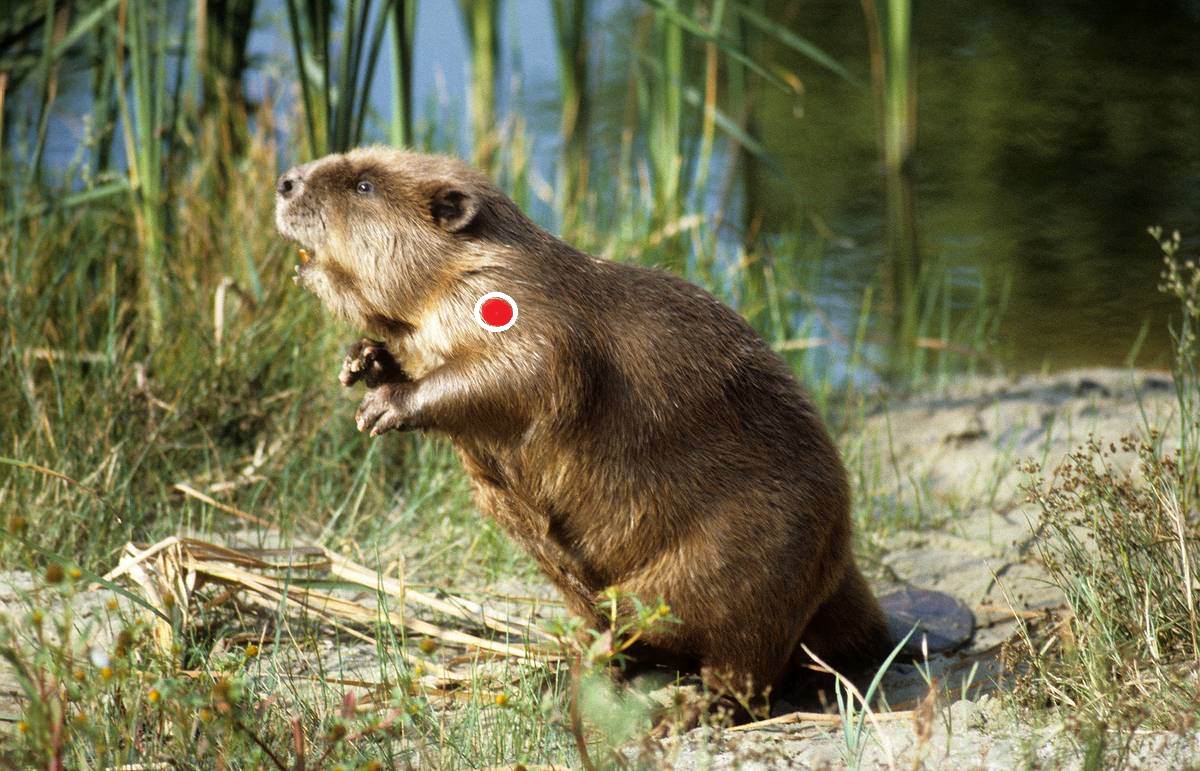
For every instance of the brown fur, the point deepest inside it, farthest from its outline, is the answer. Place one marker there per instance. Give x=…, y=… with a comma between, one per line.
x=629, y=430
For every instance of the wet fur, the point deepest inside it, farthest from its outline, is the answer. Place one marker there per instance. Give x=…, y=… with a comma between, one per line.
x=629, y=430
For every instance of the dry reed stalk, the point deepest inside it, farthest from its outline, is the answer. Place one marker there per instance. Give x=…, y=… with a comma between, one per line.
x=822, y=718
x=168, y=572
x=192, y=492
x=455, y=607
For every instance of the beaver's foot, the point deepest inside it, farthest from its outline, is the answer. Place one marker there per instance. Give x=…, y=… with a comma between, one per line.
x=385, y=408
x=370, y=361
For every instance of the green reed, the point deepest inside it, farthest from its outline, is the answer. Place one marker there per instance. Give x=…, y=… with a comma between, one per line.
x=145, y=120
x=403, y=23
x=572, y=49
x=663, y=102
x=481, y=20
x=893, y=85
x=335, y=85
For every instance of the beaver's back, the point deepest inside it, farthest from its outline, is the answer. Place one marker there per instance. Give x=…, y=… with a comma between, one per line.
x=689, y=468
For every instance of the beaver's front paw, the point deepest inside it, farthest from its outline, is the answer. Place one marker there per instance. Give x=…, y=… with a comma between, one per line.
x=385, y=408
x=371, y=362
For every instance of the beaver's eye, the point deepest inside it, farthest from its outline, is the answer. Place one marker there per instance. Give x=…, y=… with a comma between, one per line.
x=365, y=188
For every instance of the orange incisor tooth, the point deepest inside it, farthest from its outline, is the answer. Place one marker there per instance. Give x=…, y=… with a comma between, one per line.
x=304, y=256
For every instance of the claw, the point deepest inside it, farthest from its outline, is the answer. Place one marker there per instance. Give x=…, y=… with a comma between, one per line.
x=370, y=360
x=382, y=409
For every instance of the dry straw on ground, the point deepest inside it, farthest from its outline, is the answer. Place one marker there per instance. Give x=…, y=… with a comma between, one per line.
x=168, y=574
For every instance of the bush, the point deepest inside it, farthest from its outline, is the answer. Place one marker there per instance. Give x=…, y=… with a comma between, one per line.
x=1123, y=544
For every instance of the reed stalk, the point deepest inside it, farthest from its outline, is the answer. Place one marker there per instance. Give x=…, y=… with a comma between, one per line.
x=747, y=167
x=893, y=85
x=3, y=93
x=309, y=26
x=143, y=24
x=481, y=19
x=709, y=120
x=52, y=27
x=402, y=24
x=335, y=93
x=106, y=80
x=666, y=112
x=900, y=118
x=570, y=21
x=221, y=57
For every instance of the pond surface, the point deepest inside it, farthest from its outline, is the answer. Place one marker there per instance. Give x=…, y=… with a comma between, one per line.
x=1050, y=135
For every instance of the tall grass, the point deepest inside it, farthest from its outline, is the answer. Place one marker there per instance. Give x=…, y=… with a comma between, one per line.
x=1124, y=546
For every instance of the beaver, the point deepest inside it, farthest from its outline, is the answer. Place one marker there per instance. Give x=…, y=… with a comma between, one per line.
x=628, y=429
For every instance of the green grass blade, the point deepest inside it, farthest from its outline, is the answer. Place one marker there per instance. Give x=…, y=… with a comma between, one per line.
x=402, y=22
x=361, y=110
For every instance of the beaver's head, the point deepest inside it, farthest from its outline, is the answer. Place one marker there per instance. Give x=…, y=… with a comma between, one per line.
x=387, y=229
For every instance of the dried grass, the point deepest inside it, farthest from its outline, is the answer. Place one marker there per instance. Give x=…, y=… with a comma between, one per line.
x=168, y=574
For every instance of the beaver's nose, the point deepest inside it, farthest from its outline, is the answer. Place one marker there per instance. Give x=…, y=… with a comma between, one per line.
x=292, y=181
x=288, y=184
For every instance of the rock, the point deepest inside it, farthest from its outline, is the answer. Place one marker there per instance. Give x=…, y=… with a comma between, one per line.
x=1089, y=387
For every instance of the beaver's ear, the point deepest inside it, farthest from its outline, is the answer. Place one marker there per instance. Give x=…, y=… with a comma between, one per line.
x=453, y=208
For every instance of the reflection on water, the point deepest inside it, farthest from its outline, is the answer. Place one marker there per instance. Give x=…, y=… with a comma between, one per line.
x=1050, y=136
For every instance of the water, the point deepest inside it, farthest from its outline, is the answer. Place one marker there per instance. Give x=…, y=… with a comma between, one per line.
x=1050, y=135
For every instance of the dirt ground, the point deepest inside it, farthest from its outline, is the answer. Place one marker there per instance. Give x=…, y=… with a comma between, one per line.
x=949, y=463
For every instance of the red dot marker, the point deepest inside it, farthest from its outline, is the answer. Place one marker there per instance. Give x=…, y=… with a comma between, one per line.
x=495, y=311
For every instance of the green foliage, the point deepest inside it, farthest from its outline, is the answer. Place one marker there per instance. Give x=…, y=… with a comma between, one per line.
x=604, y=717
